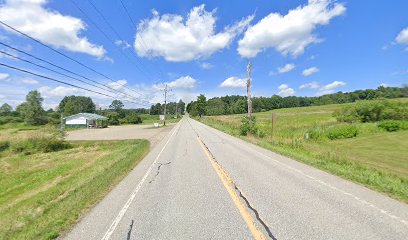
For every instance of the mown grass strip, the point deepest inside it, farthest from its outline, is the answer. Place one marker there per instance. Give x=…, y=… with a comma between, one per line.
x=46, y=193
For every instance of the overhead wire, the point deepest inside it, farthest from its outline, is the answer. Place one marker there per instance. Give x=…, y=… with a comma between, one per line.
x=61, y=68
x=142, y=43
x=66, y=75
x=62, y=54
x=59, y=81
x=112, y=41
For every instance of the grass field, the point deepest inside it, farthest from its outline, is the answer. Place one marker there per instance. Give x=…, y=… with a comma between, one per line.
x=375, y=158
x=42, y=194
x=150, y=119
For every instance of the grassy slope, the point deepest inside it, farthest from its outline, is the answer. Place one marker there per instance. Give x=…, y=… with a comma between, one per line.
x=375, y=158
x=43, y=194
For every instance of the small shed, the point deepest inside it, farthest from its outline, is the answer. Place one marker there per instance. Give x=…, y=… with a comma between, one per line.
x=85, y=120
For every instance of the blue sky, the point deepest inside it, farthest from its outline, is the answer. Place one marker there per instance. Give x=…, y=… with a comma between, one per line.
x=302, y=48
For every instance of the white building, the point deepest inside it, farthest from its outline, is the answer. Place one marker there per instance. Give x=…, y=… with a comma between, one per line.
x=85, y=120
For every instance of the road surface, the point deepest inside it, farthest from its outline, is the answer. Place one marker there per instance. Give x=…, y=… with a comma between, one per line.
x=199, y=183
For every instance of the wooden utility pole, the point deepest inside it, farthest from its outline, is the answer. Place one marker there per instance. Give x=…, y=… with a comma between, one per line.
x=165, y=103
x=176, y=110
x=249, y=95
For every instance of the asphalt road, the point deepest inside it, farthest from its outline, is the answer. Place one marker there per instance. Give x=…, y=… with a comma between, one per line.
x=199, y=183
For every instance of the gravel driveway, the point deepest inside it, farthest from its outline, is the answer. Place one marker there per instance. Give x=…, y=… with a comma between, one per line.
x=148, y=132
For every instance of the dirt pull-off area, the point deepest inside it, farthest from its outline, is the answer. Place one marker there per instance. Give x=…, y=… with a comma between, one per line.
x=148, y=132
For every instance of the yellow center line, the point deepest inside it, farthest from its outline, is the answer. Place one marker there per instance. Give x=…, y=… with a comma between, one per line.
x=229, y=185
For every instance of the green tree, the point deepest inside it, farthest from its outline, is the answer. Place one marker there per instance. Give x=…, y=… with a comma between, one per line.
x=155, y=109
x=181, y=106
x=70, y=105
x=113, y=118
x=116, y=105
x=240, y=106
x=201, y=105
x=5, y=109
x=133, y=118
x=215, y=107
x=31, y=110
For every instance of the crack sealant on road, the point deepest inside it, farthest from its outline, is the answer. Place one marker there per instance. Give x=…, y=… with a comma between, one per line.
x=228, y=180
x=158, y=170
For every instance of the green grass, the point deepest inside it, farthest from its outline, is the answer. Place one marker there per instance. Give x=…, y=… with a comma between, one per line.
x=43, y=194
x=150, y=119
x=18, y=126
x=374, y=158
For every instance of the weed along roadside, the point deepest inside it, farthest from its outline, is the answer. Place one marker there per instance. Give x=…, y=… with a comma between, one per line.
x=348, y=140
x=46, y=184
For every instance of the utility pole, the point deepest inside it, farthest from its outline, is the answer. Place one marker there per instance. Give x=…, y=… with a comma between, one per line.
x=249, y=94
x=165, y=103
x=176, y=110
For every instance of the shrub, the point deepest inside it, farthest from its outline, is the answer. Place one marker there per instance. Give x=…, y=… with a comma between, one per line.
x=133, y=118
x=10, y=119
x=245, y=129
x=4, y=145
x=49, y=141
x=342, y=131
x=316, y=133
x=393, y=125
x=373, y=111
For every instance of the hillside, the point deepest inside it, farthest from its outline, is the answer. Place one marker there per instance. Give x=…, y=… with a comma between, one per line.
x=375, y=157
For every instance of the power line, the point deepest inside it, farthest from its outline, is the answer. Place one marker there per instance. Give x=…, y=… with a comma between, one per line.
x=142, y=43
x=59, y=81
x=62, y=54
x=111, y=27
x=127, y=13
x=59, y=67
x=63, y=74
x=111, y=40
x=105, y=20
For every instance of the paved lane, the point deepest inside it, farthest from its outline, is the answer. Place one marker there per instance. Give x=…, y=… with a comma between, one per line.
x=199, y=183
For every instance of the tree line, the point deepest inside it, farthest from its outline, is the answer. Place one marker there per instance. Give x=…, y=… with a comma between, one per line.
x=171, y=108
x=32, y=112
x=238, y=104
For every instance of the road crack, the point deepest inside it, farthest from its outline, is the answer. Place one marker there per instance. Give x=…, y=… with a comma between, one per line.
x=158, y=170
x=130, y=230
x=241, y=194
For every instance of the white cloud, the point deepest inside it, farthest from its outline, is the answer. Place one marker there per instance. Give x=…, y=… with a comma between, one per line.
x=118, y=85
x=2, y=96
x=402, y=37
x=124, y=44
x=285, y=90
x=329, y=88
x=287, y=68
x=309, y=71
x=291, y=33
x=384, y=85
x=49, y=26
x=311, y=85
x=206, y=65
x=178, y=40
x=185, y=82
x=333, y=85
x=29, y=81
x=234, y=82
x=4, y=76
x=60, y=91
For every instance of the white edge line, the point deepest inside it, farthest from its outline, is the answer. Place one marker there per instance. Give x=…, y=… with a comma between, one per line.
x=133, y=195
